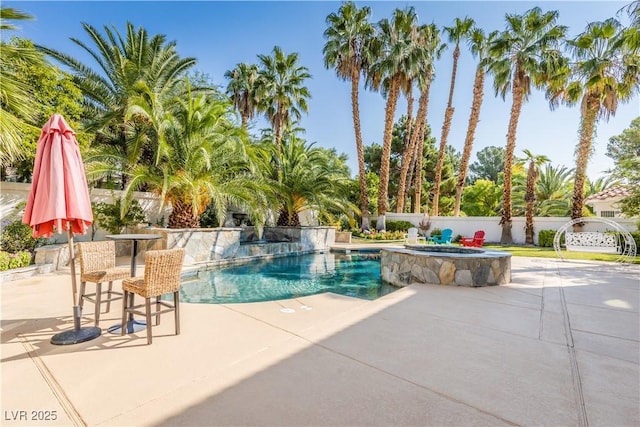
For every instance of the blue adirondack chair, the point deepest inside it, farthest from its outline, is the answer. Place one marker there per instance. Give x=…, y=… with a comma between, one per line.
x=444, y=238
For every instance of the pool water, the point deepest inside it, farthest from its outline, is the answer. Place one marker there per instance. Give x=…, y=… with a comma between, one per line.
x=354, y=275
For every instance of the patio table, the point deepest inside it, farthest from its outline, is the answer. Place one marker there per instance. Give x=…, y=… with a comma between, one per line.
x=132, y=324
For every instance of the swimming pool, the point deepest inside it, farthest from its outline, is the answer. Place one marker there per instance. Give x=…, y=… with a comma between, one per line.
x=355, y=275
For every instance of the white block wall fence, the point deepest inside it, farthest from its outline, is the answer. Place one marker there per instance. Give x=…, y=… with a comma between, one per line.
x=12, y=193
x=466, y=226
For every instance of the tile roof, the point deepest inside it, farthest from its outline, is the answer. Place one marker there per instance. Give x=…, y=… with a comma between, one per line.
x=610, y=193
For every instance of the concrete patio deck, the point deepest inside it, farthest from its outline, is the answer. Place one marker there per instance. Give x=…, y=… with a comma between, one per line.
x=560, y=345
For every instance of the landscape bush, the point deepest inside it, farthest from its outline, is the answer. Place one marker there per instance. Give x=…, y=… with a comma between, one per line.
x=436, y=232
x=545, y=238
x=107, y=215
x=17, y=237
x=399, y=226
x=376, y=235
x=17, y=260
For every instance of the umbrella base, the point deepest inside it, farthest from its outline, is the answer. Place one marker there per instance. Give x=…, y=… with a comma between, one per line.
x=131, y=327
x=76, y=336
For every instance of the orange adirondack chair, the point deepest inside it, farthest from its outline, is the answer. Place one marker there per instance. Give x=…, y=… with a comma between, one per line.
x=476, y=241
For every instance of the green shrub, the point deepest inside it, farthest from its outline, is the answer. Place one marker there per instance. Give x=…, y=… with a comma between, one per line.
x=5, y=259
x=545, y=238
x=376, y=235
x=17, y=236
x=399, y=226
x=436, y=232
x=636, y=238
x=107, y=215
x=18, y=260
x=21, y=259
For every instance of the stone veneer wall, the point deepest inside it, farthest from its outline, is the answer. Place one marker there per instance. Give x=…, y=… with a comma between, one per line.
x=311, y=238
x=201, y=244
x=402, y=267
x=211, y=244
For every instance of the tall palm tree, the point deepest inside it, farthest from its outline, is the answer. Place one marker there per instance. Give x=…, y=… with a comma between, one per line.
x=429, y=40
x=460, y=31
x=534, y=162
x=16, y=110
x=633, y=10
x=524, y=54
x=348, y=35
x=201, y=161
x=281, y=90
x=243, y=81
x=389, y=73
x=478, y=45
x=125, y=67
x=605, y=71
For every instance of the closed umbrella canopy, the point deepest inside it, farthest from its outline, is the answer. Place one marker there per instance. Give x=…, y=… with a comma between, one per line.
x=59, y=193
x=59, y=201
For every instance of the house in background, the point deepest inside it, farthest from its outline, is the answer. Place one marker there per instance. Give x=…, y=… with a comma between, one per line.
x=606, y=204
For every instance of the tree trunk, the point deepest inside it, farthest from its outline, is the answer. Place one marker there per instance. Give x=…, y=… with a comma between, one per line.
x=406, y=153
x=409, y=154
x=182, y=216
x=362, y=173
x=448, y=116
x=474, y=118
x=278, y=129
x=386, y=154
x=288, y=219
x=530, y=200
x=518, y=95
x=587, y=130
x=418, y=174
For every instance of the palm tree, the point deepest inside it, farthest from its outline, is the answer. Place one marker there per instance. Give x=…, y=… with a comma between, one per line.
x=281, y=90
x=461, y=30
x=600, y=184
x=389, y=73
x=478, y=44
x=303, y=177
x=524, y=54
x=429, y=40
x=348, y=36
x=553, y=191
x=16, y=110
x=533, y=173
x=127, y=66
x=201, y=161
x=242, y=90
x=606, y=72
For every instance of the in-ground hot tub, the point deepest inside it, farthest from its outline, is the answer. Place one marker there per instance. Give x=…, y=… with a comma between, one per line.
x=444, y=265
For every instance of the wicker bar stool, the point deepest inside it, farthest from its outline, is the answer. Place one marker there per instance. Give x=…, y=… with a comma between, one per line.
x=162, y=270
x=98, y=265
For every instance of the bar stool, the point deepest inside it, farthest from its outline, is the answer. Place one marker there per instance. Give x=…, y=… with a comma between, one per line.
x=162, y=270
x=98, y=265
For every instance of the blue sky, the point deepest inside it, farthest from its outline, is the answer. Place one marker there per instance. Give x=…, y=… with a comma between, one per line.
x=222, y=34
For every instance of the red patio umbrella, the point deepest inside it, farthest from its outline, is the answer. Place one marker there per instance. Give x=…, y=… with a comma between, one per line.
x=59, y=201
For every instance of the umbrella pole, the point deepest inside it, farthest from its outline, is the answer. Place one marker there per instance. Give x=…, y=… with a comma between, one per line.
x=72, y=265
x=78, y=334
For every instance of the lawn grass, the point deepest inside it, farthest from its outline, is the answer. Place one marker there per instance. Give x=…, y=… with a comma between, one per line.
x=522, y=250
x=540, y=252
